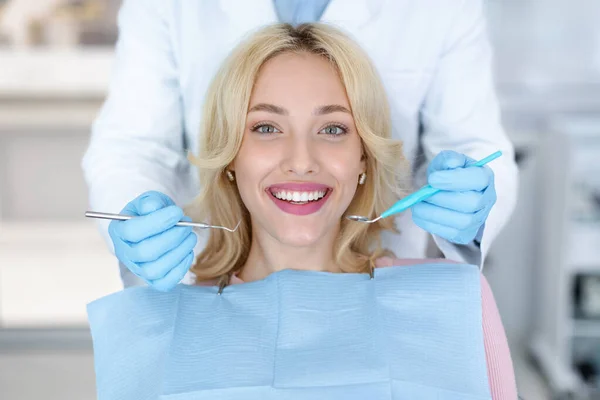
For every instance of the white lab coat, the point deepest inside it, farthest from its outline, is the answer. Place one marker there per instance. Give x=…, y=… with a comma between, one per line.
x=433, y=56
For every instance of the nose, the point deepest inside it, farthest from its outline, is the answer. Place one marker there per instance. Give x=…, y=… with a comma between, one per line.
x=301, y=157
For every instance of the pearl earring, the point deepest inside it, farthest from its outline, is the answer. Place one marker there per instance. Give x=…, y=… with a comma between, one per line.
x=230, y=176
x=362, y=179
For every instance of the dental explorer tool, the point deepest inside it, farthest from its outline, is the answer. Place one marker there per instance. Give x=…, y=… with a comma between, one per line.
x=422, y=194
x=120, y=217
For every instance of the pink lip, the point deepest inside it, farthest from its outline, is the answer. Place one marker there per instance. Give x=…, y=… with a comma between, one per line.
x=299, y=209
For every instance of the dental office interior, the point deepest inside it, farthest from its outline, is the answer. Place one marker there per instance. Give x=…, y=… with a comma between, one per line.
x=544, y=268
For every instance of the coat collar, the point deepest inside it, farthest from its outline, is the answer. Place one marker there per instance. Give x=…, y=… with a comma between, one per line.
x=244, y=15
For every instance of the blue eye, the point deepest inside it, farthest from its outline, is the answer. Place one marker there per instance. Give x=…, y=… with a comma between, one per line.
x=265, y=129
x=334, y=130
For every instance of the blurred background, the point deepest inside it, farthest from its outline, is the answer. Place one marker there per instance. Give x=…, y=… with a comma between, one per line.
x=55, y=62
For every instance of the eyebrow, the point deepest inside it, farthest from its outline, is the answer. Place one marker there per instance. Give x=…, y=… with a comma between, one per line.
x=269, y=108
x=322, y=110
x=331, y=108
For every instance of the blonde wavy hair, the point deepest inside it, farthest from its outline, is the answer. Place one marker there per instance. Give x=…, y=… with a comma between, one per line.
x=222, y=129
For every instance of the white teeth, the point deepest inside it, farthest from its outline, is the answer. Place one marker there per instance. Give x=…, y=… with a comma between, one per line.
x=299, y=196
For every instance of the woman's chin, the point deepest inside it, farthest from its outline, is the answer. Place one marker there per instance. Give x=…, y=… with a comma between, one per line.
x=298, y=237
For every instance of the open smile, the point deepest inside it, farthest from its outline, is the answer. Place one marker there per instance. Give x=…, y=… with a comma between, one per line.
x=299, y=199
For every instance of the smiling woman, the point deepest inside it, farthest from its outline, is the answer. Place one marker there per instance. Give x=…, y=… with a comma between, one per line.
x=300, y=118
x=296, y=135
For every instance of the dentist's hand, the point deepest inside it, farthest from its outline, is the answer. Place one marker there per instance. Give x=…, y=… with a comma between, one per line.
x=458, y=212
x=150, y=245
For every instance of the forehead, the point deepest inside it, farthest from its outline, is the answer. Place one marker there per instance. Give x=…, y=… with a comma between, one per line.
x=299, y=79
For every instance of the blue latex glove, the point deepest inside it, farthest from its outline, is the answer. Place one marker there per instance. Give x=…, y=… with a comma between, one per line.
x=459, y=211
x=150, y=245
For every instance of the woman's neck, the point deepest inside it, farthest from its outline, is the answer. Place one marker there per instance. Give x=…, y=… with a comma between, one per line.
x=268, y=255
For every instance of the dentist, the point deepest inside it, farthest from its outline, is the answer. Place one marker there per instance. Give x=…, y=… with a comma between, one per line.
x=436, y=67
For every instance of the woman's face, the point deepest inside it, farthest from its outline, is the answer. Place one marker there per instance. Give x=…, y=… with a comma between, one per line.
x=301, y=156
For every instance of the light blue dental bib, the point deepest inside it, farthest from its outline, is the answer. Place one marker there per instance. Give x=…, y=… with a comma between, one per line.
x=411, y=333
